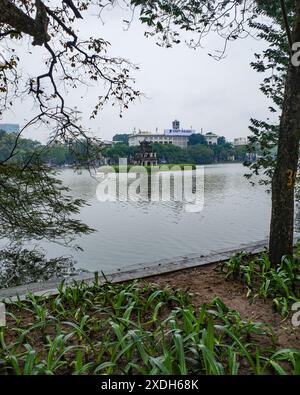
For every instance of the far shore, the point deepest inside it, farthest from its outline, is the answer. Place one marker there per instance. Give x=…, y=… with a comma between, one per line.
x=159, y=167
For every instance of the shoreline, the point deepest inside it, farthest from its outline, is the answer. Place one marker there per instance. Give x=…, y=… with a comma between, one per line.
x=134, y=272
x=116, y=167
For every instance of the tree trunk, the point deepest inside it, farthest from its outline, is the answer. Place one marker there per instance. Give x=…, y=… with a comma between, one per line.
x=13, y=16
x=283, y=183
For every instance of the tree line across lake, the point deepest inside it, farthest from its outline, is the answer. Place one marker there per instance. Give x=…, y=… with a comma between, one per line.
x=53, y=154
x=197, y=152
x=57, y=154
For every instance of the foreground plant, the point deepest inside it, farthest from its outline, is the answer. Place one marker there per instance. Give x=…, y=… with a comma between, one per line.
x=281, y=284
x=135, y=328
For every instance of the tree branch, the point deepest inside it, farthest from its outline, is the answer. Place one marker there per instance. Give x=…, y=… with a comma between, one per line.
x=37, y=28
x=71, y=5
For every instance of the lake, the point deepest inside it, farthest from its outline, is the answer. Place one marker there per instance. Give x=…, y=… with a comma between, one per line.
x=132, y=232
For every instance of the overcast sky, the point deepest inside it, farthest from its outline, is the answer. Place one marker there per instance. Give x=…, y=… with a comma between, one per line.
x=218, y=96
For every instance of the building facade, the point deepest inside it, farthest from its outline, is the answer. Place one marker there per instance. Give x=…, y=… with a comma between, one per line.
x=211, y=138
x=240, y=141
x=175, y=136
x=178, y=140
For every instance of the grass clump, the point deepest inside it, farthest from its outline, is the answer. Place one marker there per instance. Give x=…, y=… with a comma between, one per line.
x=135, y=328
x=281, y=284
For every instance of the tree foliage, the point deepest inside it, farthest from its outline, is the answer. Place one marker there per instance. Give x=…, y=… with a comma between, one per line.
x=273, y=63
x=33, y=204
x=170, y=153
x=196, y=138
x=71, y=62
x=121, y=138
x=21, y=266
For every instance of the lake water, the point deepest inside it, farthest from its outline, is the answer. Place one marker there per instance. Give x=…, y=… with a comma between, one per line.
x=131, y=232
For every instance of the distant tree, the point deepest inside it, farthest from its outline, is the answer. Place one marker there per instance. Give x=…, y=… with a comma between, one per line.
x=118, y=151
x=196, y=138
x=240, y=153
x=56, y=155
x=169, y=153
x=121, y=137
x=222, y=152
x=200, y=154
x=22, y=152
x=172, y=154
x=221, y=140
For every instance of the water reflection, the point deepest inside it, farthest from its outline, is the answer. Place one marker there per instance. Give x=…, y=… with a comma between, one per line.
x=21, y=266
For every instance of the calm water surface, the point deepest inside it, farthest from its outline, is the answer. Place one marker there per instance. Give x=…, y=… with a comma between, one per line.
x=128, y=233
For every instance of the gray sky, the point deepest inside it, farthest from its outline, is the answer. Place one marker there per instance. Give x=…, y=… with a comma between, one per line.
x=218, y=96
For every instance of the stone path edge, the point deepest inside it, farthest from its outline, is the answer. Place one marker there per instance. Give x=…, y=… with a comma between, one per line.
x=132, y=272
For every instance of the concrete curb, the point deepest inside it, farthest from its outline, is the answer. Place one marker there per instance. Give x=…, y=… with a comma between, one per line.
x=133, y=272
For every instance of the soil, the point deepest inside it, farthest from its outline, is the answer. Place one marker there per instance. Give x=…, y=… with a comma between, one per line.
x=208, y=282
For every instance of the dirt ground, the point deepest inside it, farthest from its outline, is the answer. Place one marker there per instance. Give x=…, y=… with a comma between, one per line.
x=208, y=282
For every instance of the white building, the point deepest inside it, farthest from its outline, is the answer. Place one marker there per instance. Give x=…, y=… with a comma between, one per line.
x=240, y=141
x=137, y=138
x=107, y=143
x=175, y=136
x=211, y=138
